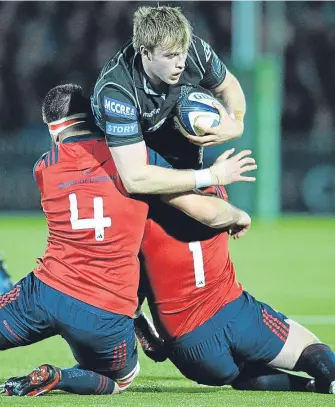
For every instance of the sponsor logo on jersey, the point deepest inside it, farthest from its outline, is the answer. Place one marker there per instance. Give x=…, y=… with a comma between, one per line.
x=153, y=112
x=207, y=50
x=117, y=129
x=157, y=125
x=90, y=180
x=115, y=108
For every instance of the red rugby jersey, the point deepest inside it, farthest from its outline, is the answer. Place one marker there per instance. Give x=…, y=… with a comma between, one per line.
x=95, y=229
x=190, y=279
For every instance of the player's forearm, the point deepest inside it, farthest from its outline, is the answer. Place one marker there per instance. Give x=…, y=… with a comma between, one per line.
x=211, y=211
x=151, y=179
x=138, y=177
x=232, y=97
x=225, y=214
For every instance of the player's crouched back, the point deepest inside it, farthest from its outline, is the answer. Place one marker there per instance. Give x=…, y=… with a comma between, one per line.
x=85, y=285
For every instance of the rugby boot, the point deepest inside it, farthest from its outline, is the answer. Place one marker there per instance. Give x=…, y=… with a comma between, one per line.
x=40, y=381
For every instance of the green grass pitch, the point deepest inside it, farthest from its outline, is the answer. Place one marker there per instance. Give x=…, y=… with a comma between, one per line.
x=288, y=263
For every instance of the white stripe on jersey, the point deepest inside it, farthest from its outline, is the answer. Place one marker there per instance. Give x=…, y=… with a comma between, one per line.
x=199, y=60
x=201, y=74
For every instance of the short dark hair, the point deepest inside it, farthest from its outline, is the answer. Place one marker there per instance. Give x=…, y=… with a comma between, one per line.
x=64, y=100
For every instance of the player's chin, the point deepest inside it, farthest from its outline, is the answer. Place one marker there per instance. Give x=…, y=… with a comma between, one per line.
x=173, y=80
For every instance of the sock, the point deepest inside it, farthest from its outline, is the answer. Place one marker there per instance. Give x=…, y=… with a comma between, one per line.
x=81, y=381
x=265, y=378
x=318, y=360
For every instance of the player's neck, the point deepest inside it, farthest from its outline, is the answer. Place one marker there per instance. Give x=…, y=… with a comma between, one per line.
x=67, y=135
x=156, y=83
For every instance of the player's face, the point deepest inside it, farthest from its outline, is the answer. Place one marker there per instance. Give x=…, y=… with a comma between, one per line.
x=166, y=65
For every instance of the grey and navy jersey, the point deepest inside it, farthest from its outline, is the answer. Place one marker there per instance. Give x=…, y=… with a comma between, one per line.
x=125, y=106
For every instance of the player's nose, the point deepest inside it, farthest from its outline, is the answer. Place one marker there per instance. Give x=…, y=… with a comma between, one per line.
x=181, y=62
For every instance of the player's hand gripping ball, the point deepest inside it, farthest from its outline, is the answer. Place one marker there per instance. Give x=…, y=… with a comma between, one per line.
x=195, y=110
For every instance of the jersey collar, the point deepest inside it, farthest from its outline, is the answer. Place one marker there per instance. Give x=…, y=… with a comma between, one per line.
x=140, y=77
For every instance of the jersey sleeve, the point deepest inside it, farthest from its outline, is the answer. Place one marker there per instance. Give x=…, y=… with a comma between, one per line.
x=117, y=116
x=214, y=70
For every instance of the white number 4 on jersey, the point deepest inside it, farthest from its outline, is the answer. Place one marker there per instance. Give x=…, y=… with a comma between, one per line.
x=99, y=223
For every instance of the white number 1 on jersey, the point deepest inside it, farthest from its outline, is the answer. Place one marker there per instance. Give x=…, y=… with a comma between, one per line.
x=99, y=223
x=198, y=262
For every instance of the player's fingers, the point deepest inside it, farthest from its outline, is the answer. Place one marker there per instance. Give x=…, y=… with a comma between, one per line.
x=242, y=154
x=245, y=161
x=209, y=144
x=226, y=154
x=248, y=168
x=201, y=139
x=246, y=179
x=209, y=130
x=243, y=232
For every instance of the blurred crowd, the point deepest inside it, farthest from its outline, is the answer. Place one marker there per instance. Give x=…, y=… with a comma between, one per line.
x=45, y=43
x=309, y=93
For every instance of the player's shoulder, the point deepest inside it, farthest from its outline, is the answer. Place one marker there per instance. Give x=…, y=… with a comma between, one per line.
x=39, y=165
x=47, y=159
x=115, y=85
x=200, y=51
x=118, y=70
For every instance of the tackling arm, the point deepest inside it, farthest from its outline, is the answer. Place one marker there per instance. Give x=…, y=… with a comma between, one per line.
x=209, y=210
x=140, y=178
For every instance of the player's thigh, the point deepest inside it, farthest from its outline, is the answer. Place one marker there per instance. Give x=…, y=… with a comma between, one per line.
x=259, y=332
x=23, y=317
x=100, y=340
x=204, y=356
x=298, y=339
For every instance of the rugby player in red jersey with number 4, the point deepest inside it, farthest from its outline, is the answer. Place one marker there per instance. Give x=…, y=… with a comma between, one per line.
x=85, y=285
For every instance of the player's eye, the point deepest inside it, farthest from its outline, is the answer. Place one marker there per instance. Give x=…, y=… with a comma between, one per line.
x=172, y=55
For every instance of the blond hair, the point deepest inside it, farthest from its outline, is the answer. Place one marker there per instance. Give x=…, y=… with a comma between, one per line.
x=163, y=26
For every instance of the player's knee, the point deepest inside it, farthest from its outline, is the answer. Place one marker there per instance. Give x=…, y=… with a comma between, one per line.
x=125, y=382
x=311, y=353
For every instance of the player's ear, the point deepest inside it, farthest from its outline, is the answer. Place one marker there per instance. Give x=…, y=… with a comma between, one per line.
x=145, y=52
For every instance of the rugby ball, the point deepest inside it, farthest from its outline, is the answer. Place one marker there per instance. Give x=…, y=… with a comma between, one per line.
x=195, y=109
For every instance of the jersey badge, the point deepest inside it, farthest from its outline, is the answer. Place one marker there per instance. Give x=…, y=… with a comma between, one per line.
x=115, y=108
x=120, y=129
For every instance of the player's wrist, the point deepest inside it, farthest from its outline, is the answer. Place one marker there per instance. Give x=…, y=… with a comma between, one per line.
x=204, y=178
